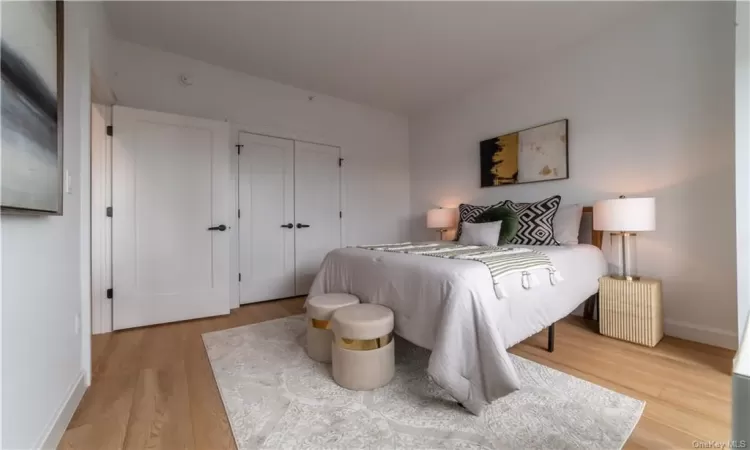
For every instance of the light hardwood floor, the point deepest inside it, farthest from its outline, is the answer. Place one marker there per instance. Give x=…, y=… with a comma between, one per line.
x=153, y=387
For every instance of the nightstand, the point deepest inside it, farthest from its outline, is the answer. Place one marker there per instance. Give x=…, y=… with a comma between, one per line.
x=631, y=310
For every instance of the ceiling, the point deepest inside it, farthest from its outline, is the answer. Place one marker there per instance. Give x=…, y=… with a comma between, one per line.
x=399, y=56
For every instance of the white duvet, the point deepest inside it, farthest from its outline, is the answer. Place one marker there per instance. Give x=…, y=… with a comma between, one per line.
x=449, y=306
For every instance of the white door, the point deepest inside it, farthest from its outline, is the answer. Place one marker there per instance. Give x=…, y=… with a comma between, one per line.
x=317, y=209
x=170, y=180
x=266, y=199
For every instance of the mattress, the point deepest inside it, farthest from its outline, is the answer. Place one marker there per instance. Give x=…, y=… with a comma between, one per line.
x=450, y=306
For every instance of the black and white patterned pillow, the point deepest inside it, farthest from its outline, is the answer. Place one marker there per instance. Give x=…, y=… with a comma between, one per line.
x=469, y=213
x=535, y=221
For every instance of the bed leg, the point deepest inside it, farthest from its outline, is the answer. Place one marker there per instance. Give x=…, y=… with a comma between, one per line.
x=551, y=338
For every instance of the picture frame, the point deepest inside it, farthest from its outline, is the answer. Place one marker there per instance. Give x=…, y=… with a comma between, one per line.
x=531, y=155
x=32, y=108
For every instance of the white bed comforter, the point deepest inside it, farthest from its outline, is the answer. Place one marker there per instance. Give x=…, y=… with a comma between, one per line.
x=450, y=307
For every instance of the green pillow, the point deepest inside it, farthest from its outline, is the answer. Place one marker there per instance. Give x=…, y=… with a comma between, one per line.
x=509, y=227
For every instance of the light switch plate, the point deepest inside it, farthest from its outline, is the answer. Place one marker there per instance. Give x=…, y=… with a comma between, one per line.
x=68, y=183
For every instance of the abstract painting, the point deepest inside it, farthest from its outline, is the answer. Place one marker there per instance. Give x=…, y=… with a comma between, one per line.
x=31, y=45
x=526, y=156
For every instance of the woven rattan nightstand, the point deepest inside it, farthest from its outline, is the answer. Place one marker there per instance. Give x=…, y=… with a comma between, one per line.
x=631, y=310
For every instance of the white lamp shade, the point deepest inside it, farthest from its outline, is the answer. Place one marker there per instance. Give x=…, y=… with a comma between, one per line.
x=441, y=218
x=625, y=214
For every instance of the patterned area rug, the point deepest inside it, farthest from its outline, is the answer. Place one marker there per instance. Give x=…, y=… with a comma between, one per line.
x=276, y=397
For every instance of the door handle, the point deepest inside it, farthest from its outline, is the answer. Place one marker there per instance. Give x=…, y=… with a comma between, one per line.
x=302, y=225
x=289, y=225
x=219, y=228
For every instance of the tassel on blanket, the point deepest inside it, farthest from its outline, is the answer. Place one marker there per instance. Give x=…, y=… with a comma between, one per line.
x=525, y=282
x=555, y=277
x=529, y=280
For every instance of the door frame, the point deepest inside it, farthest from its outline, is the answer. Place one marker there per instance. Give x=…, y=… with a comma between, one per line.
x=101, y=225
x=235, y=233
x=101, y=230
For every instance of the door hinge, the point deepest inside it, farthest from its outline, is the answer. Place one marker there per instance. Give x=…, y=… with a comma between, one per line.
x=341, y=214
x=109, y=293
x=239, y=147
x=110, y=131
x=238, y=213
x=109, y=211
x=341, y=160
x=240, y=277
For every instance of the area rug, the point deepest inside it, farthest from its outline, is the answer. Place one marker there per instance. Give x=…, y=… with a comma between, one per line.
x=277, y=397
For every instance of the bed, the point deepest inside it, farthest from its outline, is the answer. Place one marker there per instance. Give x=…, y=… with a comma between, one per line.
x=450, y=307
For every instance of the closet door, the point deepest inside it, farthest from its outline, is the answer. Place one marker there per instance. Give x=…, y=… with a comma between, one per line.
x=266, y=199
x=317, y=209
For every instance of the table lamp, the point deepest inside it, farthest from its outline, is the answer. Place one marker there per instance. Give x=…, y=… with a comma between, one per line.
x=441, y=219
x=623, y=217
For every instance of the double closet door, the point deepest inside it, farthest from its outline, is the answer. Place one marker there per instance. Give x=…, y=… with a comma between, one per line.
x=289, y=214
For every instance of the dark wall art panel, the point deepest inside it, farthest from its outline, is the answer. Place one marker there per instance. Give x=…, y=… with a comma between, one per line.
x=31, y=46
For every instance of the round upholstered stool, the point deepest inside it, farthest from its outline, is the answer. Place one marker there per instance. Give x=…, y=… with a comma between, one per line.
x=363, y=346
x=319, y=312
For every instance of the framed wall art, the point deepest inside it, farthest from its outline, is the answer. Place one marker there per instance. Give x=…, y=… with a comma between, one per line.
x=32, y=105
x=527, y=156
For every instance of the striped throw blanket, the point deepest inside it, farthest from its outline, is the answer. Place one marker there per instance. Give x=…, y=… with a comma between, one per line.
x=501, y=261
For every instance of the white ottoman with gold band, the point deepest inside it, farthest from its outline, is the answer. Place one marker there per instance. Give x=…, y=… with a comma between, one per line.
x=363, y=346
x=319, y=312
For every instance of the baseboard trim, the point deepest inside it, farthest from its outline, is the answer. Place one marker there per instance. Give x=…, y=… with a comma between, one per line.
x=692, y=332
x=53, y=432
x=698, y=333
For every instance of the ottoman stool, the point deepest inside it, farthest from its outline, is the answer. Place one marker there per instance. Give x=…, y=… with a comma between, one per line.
x=319, y=312
x=363, y=346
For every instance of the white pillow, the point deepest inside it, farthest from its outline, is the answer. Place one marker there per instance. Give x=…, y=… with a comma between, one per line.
x=487, y=233
x=567, y=223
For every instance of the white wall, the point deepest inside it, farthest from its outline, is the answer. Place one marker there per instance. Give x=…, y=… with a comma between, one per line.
x=650, y=104
x=374, y=143
x=45, y=277
x=742, y=159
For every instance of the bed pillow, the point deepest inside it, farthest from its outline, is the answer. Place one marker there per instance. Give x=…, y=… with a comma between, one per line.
x=469, y=213
x=567, y=224
x=486, y=233
x=507, y=216
x=535, y=225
